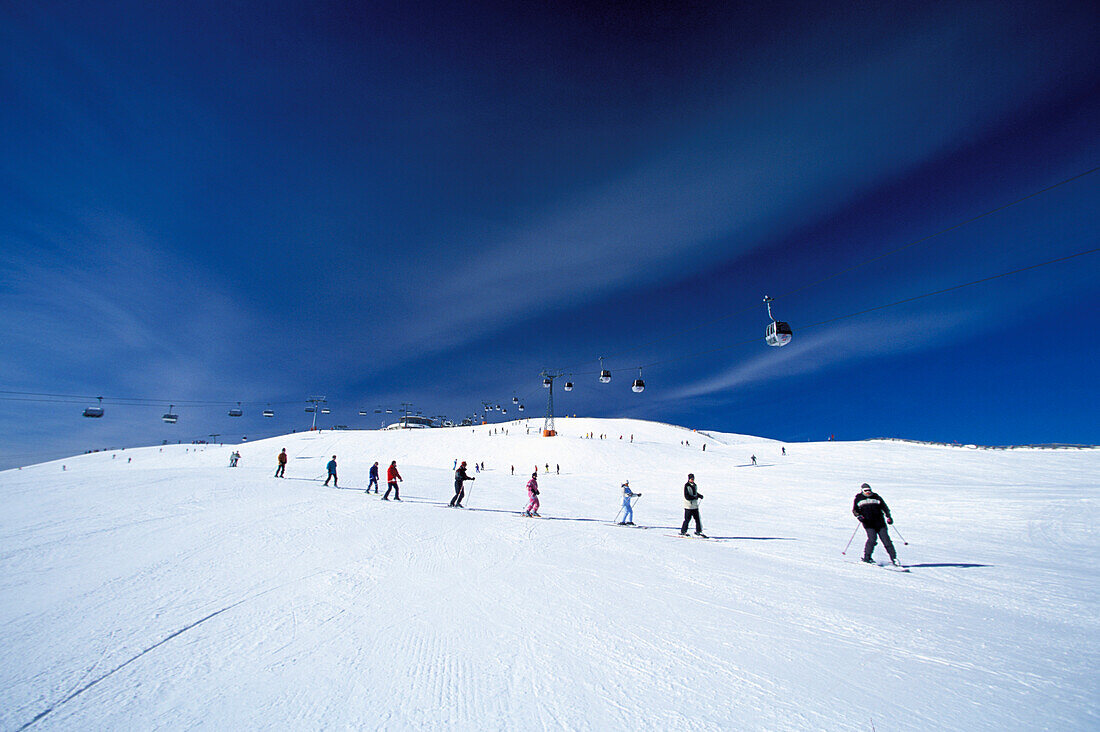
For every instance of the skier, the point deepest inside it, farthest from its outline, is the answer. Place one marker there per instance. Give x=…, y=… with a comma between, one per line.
x=557, y=469
x=754, y=460
x=692, y=496
x=373, y=478
x=784, y=450
x=332, y=473
x=460, y=478
x=628, y=509
x=869, y=508
x=280, y=472
x=513, y=470
x=533, y=495
x=392, y=478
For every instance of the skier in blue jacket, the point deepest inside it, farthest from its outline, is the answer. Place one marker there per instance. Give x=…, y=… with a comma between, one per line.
x=332, y=472
x=373, y=477
x=628, y=509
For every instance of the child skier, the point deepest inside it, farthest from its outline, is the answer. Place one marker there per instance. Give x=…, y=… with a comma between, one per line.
x=533, y=495
x=280, y=471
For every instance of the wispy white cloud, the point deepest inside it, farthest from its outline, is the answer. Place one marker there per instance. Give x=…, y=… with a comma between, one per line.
x=98, y=299
x=882, y=334
x=791, y=148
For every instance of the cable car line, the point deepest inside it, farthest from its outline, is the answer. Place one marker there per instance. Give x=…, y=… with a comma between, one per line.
x=142, y=401
x=882, y=307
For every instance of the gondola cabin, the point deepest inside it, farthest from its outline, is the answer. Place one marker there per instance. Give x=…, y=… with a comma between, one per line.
x=778, y=333
x=569, y=386
x=325, y=410
x=93, y=412
x=546, y=383
x=236, y=412
x=269, y=413
x=605, y=377
x=170, y=417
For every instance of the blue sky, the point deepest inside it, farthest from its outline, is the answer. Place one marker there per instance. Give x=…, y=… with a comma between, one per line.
x=432, y=202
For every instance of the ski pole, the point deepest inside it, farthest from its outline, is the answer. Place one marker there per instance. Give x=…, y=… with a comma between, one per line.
x=850, y=541
x=903, y=541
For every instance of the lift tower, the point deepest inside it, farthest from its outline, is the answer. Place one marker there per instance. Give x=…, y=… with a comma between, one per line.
x=548, y=381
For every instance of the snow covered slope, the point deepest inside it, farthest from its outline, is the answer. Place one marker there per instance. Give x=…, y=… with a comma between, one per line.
x=159, y=588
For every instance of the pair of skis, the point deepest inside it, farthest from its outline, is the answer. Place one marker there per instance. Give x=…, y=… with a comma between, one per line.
x=888, y=565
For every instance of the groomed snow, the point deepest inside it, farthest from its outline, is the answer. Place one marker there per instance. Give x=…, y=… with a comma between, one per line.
x=159, y=588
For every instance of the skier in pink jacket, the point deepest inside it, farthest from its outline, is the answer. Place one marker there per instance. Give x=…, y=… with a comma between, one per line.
x=533, y=494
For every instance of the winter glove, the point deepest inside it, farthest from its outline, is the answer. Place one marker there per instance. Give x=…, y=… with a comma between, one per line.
x=699, y=496
x=889, y=520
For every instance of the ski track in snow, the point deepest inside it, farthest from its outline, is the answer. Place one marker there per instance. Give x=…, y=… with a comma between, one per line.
x=174, y=592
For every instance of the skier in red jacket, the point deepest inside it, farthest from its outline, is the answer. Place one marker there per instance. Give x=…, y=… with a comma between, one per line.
x=392, y=477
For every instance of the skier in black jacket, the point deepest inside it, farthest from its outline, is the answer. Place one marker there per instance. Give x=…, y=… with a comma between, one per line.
x=692, y=496
x=874, y=514
x=460, y=478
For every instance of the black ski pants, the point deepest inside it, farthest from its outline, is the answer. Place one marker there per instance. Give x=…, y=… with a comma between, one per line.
x=689, y=514
x=374, y=482
x=280, y=472
x=873, y=534
x=332, y=477
x=460, y=493
x=392, y=486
